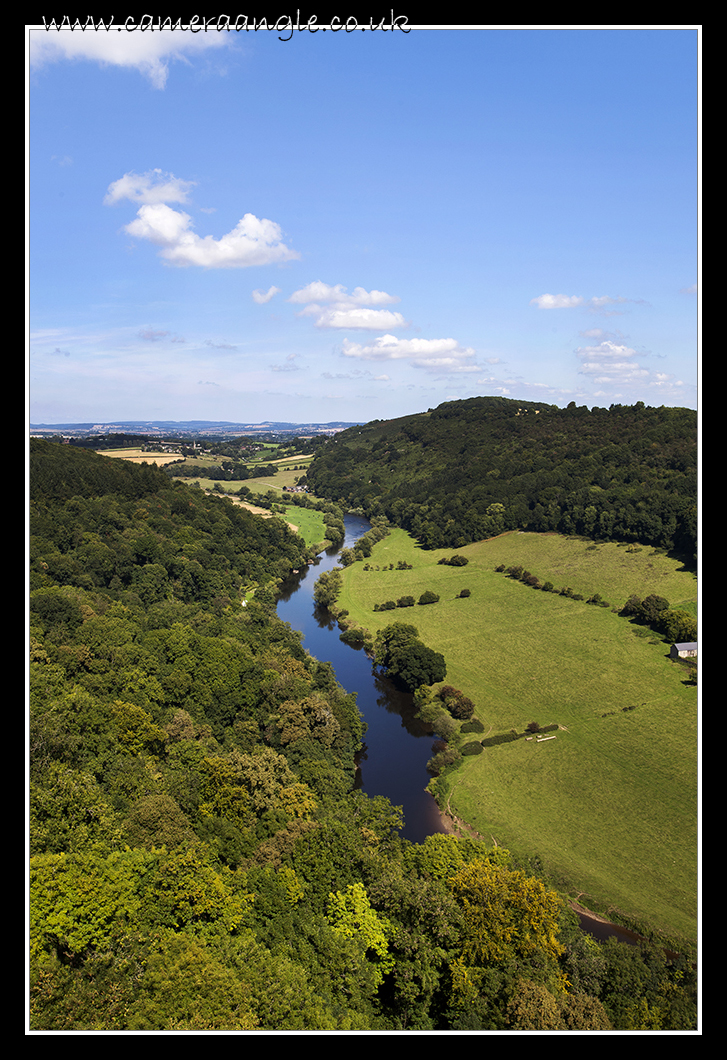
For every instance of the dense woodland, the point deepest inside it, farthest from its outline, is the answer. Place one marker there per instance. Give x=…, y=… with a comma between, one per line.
x=199, y=856
x=470, y=469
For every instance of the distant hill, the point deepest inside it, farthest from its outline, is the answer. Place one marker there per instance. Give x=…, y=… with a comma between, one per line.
x=186, y=428
x=468, y=470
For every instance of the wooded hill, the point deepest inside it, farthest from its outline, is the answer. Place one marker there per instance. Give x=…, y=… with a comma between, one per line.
x=468, y=470
x=200, y=859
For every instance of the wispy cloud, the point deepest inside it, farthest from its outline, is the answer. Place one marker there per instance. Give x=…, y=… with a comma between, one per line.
x=288, y=366
x=261, y=297
x=573, y=301
x=253, y=241
x=433, y=354
x=609, y=361
x=149, y=53
x=149, y=188
x=149, y=335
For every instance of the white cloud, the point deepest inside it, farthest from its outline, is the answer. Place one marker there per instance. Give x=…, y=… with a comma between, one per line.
x=343, y=310
x=571, y=301
x=359, y=317
x=253, y=241
x=556, y=301
x=261, y=297
x=147, y=52
x=433, y=354
x=323, y=292
x=149, y=188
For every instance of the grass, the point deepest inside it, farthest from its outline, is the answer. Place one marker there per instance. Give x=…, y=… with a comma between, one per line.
x=308, y=523
x=610, y=805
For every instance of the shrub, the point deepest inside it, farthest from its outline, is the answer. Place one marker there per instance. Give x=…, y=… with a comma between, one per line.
x=457, y=703
x=462, y=709
x=405, y=601
x=507, y=737
x=473, y=726
x=464, y=594
x=474, y=748
x=440, y=761
x=353, y=636
x=429, y=597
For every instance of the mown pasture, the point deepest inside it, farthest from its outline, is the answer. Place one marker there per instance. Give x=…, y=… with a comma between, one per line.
x=138, y=456
x=610, y=804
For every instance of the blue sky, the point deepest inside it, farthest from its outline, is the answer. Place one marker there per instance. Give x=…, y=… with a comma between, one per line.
x=228, y=226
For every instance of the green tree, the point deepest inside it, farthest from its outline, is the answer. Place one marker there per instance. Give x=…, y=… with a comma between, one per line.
x=407, y=659
x=69, y=813
x=507, y=914
x=351, y=915
x=679, y=626
x=184, y=987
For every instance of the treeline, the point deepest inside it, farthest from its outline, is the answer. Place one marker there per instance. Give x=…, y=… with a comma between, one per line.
x=199, y=856
x=472, y=469
x=673, y=623
x=227, y=471
x=114, y=441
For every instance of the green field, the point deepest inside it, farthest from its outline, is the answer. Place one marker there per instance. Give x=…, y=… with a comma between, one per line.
x=610, y=804
x=308, y=523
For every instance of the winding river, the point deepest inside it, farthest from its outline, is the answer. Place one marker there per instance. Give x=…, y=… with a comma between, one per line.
x=396, y=746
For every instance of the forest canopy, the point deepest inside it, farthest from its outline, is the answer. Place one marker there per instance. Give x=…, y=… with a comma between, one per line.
x=472, y=469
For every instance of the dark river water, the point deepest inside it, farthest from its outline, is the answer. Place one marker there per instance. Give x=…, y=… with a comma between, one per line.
x=396, y=747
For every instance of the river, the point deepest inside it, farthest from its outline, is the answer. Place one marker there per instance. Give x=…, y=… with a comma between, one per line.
x=396, y=746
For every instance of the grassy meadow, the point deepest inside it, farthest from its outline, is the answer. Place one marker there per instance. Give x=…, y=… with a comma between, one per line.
x=610, y=804
x=308, y=523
